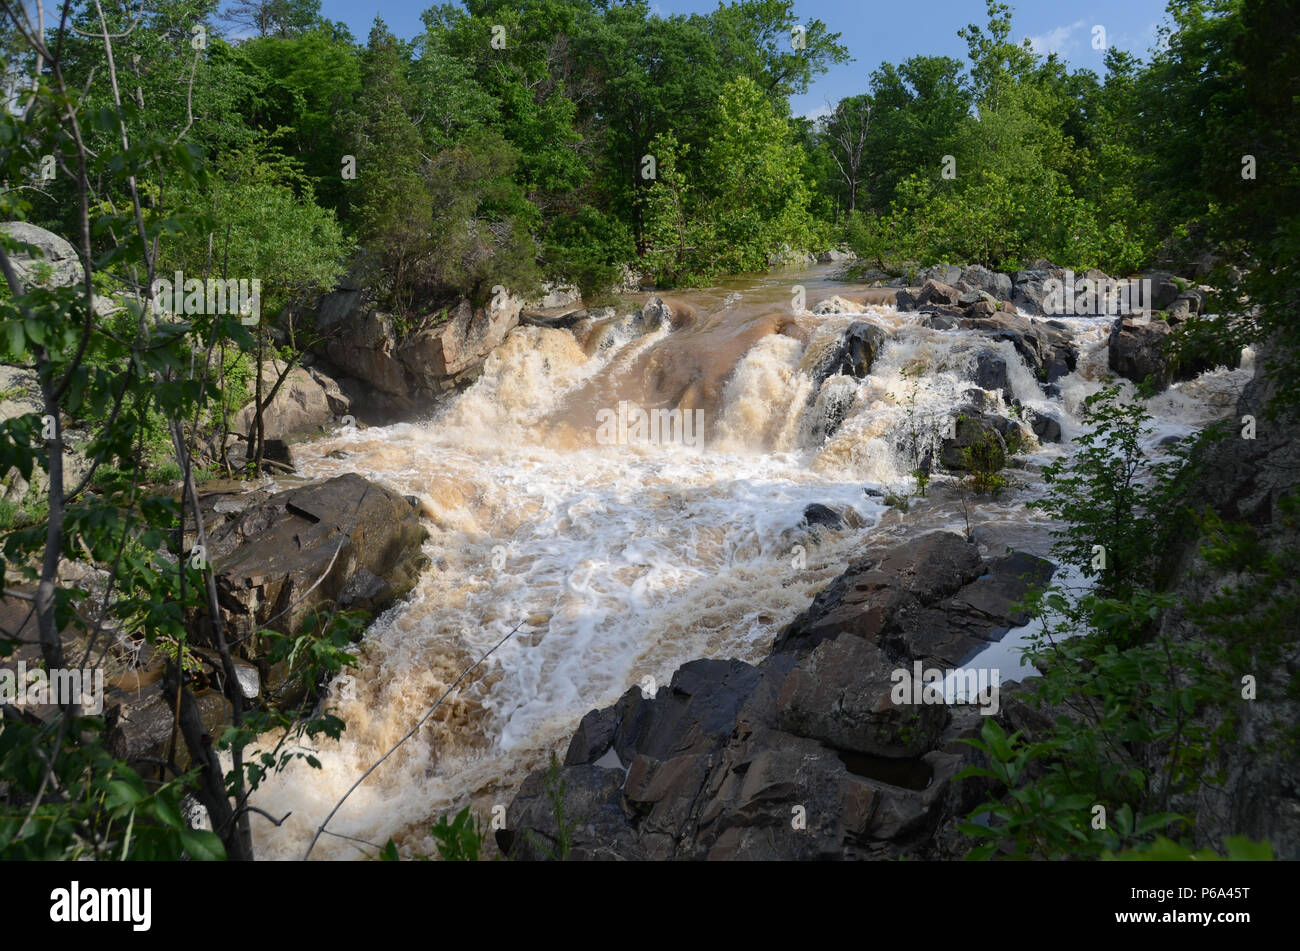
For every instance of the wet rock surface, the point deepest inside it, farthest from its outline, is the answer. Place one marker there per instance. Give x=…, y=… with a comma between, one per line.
x=812, y=753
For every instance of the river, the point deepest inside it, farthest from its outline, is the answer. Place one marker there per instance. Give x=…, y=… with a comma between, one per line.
x=624, y=561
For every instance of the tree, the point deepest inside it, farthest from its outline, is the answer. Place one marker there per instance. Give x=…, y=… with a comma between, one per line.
x=274, y=17
x=117, y=372
x=847, y=130
x=393, y=207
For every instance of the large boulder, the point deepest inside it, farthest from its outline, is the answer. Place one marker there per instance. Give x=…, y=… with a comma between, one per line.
x=853, y=353
x=308, y=399
x=941, y=273
x=979, y=436
x=1029, y=286
x=1137, y=350
x=51, y=254
x=407, y=370
x=934, y=292
x=1165, y=288
x=990, y=373
x=346, y=543
x=841, y=693
x=991, y=282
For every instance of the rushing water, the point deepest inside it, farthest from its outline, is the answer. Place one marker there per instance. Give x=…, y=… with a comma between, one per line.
x=624, y=561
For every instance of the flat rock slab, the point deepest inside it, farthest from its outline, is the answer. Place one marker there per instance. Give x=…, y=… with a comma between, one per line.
x=346, y=543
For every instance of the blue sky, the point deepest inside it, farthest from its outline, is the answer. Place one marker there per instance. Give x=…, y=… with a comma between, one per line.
x=878, y=32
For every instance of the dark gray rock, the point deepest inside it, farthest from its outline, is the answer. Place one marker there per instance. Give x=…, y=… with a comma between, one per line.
x=1046, y=427
x=1048, y=351
x=840, y=693
x=991, y=374
x=853, y=354
x=805, y=756
x=1137, y=351
x=982, y=435
x=818, y=514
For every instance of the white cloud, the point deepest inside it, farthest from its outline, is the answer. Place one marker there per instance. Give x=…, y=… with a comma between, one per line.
x=817, y=113
x=1056, y=40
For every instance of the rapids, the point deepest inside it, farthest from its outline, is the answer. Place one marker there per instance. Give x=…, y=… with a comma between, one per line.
x=624, y=561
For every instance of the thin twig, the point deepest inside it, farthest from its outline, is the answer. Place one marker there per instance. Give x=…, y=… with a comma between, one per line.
x=409, y=733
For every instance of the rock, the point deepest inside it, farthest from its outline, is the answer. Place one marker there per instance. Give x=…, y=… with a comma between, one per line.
x=652, y=316
x=864, y=599
x=1137, y=351
x=1029, y=286
x=853, y=354
x=836, y=256
x=938, y=320
x=1185, y=306
x=142, y=724
x=786, y=256
x=566, y=321
x=592, y=796
x=346, y=542
x=980, y=434
x=990, y=373
x=818, y=514
x=840, y=693
x=836, y=305
x=1165, y=288
x=277, y=453
x=940, y=273
x=49, y=251
x=720, y=761
x=991, y=282
x=904, y=301
x=20, y=395
x=443, y=350
x=308, y=399
x=933, y=292
x=982, y=308
x=555, y=296
x=1047, y=350
x=1046, y=427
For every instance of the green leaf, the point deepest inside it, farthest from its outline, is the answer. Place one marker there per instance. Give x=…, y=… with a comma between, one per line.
x=203, y=845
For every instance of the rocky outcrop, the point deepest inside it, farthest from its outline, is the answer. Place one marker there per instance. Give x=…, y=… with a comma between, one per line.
x=1246, y=481
x=978, y=442
x=345, y=543
x=814, y=753
x=1045, y=346
x=406, y=370
x=991, y=282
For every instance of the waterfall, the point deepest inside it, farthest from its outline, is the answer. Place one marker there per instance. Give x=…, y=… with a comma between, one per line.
x=625, y=558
